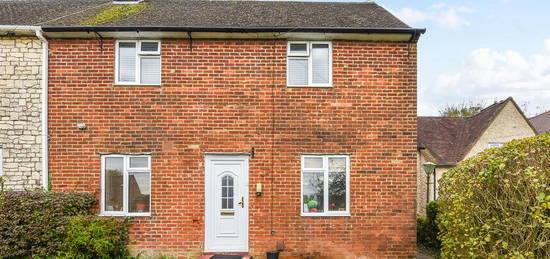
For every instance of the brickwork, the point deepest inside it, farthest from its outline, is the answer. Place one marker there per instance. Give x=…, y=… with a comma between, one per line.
x=231, y=96
x=20, y=111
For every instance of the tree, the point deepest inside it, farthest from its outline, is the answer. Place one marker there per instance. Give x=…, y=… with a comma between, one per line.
x=464, y=109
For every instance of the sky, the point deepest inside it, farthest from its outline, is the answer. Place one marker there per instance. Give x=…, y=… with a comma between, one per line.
x=480, y=52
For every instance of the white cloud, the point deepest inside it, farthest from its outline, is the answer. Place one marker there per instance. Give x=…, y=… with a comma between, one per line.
x=440, y=13
x=489, y=75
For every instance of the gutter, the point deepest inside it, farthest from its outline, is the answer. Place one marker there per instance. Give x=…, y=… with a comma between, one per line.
x=232, y=29
x=45, y=140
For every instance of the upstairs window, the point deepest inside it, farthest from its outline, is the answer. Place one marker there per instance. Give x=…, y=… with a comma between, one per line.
x=309, y=64
x=138, y=62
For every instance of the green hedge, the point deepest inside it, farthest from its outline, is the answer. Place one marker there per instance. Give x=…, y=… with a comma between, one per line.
x=497, y=204
x=426, y=228
x=55, y=224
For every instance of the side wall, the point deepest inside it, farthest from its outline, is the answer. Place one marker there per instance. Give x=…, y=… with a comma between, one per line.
x=507, y=126
x=20, y=111
x=231, y=96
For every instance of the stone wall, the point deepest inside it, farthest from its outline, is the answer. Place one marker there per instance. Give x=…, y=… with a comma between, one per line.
x=20, y=111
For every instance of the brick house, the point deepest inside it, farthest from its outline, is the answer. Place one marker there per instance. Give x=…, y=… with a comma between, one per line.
x=445, y=141
x=240, y=127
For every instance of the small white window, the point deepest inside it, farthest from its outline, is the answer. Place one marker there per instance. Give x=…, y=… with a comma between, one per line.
x=325, y=185
x=125, y=185
x=309, y=64
x=138, y=62
x=495, y=144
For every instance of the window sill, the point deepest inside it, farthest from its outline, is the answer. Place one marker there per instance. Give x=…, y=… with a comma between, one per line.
x=138, y=85
x=345, y=214
x=309, y=86
x=125, y=215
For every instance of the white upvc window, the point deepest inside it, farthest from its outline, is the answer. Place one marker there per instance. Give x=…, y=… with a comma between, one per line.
x=495, y=144
x=126, y=185
x=325, y=185
x=309, y=64
x=137, y=62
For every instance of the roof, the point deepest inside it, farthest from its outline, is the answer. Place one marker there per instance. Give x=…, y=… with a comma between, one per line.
x=206, y=14
x=448, y=139
x=541, y=122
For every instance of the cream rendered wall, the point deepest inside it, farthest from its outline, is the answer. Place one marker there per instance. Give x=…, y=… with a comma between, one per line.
x=508, y=125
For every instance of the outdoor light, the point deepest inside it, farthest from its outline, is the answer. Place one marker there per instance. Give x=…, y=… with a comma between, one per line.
x=258, y=189
x=429, y=168
x=81, y=126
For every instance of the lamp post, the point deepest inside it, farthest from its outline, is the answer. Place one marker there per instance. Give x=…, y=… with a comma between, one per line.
x=429, y=168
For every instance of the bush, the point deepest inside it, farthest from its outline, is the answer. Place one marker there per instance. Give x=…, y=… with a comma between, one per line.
x=497, y=204
x=426, y=228
x=94, y=237
x=45, y=224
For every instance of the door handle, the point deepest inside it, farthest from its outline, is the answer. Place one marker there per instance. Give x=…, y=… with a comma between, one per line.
x=242, y=202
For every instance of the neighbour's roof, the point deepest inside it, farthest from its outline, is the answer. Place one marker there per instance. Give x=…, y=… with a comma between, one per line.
x=448, y=139
x=541, y=122
x=186, y=13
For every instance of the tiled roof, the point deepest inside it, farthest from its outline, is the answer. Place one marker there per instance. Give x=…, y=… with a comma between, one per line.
x=448, y=139
x=185, y=13
x=541, y=122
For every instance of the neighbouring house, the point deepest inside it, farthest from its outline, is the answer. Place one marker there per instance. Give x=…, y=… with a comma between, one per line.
x=23, y=90
x=237, y=126
x=21, y=107
x=541, y=122
x=445, y=141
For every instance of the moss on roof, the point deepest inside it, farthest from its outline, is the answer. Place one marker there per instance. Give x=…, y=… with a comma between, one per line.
x=114, y=13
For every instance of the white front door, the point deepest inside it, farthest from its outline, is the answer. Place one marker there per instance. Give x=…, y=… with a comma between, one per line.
x=226, y=208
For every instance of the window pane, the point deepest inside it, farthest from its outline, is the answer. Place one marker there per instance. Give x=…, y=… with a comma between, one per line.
x=298, y=48
x=150, y=70
x=337, y=184
x=297, y=71
x=150, y=46
x=313, y=162
x=313, y=192
x=336, y=191
x=139, y=190
x=127, y=62
x=139, y=162
x=227, y=192
x=320, y=63
x=337, y=165
x=114, y=167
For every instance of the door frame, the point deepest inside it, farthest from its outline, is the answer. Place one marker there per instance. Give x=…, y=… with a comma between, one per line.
x=244, y=157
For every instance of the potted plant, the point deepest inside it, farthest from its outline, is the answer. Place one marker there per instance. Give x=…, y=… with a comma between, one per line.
x=312, y=205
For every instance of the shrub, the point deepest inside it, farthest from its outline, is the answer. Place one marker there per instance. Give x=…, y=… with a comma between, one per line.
x=95, y=237
x=426, y=228
x=497, y=204
x=47, y=224
x=31, y=222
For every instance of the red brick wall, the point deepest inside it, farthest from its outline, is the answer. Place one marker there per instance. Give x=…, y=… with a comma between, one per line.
x=231, y=96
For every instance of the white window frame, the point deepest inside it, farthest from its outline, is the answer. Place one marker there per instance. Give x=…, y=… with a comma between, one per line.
x=125, y=188
x=325, y=171
x=139, y=55
x=308, y=56
x=495, y=144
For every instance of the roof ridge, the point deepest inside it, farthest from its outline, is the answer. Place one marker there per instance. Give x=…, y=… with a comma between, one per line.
x=540, y=114
x=490, y=106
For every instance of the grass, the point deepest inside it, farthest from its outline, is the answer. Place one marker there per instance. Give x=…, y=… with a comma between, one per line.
x=114, y=13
